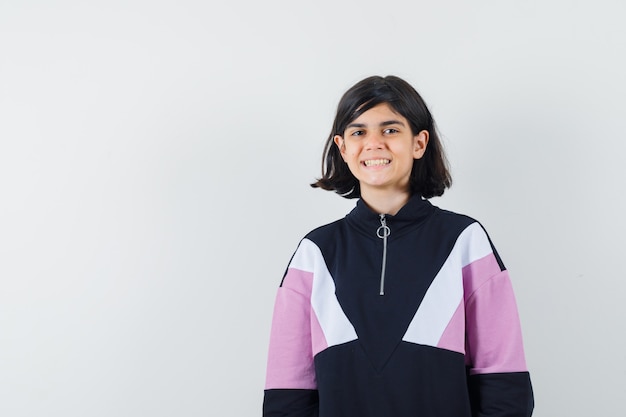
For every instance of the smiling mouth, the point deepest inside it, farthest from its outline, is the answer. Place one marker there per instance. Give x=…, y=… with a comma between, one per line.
x=376, y=162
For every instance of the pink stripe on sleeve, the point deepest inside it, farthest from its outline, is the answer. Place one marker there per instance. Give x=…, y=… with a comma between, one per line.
x=290, y=358
x=453, y=337
x=494, y=337
x=318, y=339
x=299, y=281
x=478, y=272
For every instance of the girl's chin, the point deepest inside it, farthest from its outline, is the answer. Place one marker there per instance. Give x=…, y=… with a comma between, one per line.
x=383, y=186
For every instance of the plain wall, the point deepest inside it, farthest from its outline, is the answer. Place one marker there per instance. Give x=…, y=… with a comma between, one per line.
x=155, y=158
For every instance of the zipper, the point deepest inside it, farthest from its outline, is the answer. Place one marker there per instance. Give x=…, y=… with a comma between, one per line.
x=383, y=232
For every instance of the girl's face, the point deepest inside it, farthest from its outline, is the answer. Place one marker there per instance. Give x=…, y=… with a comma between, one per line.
x=380, y=148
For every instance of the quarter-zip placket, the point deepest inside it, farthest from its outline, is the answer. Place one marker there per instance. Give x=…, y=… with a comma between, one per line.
x=383, y=232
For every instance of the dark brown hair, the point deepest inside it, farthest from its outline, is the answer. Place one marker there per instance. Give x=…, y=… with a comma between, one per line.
x=430, y=175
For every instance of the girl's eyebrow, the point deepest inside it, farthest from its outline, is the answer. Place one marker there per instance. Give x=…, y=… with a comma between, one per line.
x=392, y=122
x=385, y=123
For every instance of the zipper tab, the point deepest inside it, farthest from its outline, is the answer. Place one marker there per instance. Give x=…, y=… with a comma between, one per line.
x=382, y=232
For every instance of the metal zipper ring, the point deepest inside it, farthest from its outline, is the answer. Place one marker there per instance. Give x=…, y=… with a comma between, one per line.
x=383, y=231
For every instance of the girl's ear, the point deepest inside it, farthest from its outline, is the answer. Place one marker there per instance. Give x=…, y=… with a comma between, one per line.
x=340, y=144
x=420, y=142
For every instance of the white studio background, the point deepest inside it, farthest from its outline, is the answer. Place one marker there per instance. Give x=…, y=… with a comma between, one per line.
x=154, y=166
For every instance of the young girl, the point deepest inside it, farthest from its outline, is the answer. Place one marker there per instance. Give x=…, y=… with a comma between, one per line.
x=400, y=308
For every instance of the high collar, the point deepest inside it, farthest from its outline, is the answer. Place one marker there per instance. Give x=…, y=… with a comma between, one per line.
x=411, y=214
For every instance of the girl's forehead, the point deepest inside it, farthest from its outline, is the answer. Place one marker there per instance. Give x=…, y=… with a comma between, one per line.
x=380, y=111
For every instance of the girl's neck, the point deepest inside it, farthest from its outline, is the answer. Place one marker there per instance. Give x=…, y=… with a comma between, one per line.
x=385, y=202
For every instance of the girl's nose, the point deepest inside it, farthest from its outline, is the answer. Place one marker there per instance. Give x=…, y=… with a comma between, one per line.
x=375, y=141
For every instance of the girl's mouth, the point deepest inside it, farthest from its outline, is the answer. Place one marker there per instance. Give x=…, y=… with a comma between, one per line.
x=376, y=162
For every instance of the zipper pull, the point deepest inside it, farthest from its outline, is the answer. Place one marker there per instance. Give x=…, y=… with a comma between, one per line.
x=382, y=232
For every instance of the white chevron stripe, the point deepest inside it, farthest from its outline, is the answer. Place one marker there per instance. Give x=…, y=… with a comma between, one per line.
x=446, y=291
x=333, y=321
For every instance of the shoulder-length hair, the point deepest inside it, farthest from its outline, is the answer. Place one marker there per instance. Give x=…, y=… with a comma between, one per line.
x=430, y=175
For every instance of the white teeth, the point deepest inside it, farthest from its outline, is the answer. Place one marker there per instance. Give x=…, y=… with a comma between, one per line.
x=376, y=162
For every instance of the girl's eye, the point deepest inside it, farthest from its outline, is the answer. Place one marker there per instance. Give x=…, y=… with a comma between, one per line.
x=357, y=133
x=390, y=131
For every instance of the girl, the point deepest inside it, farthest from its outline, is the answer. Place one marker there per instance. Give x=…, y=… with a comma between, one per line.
x=400, y=308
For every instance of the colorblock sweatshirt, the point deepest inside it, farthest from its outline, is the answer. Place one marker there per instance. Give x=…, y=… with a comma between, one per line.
x=397, y=316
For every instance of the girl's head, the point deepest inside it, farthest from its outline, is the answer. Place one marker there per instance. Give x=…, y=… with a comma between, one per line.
x=429, y=175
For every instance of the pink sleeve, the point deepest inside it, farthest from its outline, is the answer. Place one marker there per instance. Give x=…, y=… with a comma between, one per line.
x=494, y=337
x=290, y=360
